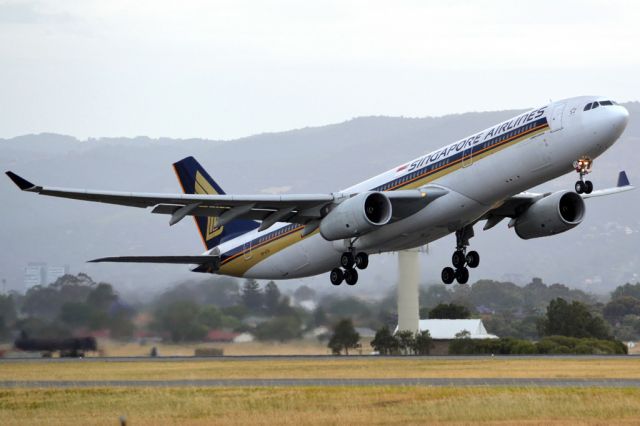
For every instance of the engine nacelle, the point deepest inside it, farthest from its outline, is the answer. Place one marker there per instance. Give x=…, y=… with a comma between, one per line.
x=553, y=214
x=356, y=216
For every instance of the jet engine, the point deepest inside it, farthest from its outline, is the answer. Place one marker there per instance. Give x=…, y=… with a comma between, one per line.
x=356, y=216
x=553, y=214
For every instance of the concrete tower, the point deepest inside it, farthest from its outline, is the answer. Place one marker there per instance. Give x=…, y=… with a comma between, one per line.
x=408, y=294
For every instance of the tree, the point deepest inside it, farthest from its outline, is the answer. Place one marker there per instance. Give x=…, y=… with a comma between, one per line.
x=279, y=328
x=76, y=315
x=46, y=301
x=102, y=297
x=384, y=343
x=422, y=343
x=618, y=308
x=632, y=290
x=449, y=311
x=344, y=337
x=338, y=306
x=271, y=297
x=319, y=317
x=7, y=309
x=212, y=318
x=573, y=320
x=303, y=293
x=406, y=341
x=120, y=322
x=181, y=320
x=252, y=296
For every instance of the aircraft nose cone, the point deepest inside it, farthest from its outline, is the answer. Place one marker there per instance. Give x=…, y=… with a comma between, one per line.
x=618, y=119
x=623, y=117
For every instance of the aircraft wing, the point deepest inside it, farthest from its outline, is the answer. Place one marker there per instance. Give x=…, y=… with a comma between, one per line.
x=513, y=206
x=292, y=208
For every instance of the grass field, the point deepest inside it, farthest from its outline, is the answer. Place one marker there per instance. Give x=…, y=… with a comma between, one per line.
x=322, y=405
x=300, y=347
x=339, y=367
x=500, y=405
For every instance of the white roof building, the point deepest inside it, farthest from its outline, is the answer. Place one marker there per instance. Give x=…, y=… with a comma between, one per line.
x=446, y=329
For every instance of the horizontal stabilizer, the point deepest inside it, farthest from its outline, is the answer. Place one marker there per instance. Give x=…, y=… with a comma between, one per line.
x=623, y=186
x=185, y=260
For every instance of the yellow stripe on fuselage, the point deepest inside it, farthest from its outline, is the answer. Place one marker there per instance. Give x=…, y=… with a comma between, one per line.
x=240, y=263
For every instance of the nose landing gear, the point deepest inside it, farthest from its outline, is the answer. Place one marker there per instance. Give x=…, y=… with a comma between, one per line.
x=461, y=258
x=349, y=263
x=583, y=166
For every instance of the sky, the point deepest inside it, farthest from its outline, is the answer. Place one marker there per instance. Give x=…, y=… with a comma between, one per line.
x=227, y=69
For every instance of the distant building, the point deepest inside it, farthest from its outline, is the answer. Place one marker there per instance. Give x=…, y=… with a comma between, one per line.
x=39, y=273
x=35, y=274
x=221, y=336
x=443, y=331
x=55, y=272
x=365, y=332
x=448, y=329
x=244, y=338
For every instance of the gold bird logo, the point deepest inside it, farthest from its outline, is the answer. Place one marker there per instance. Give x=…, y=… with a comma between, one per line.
x=203, y=187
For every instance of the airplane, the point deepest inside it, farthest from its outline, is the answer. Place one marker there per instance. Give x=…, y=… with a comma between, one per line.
x=482, y=177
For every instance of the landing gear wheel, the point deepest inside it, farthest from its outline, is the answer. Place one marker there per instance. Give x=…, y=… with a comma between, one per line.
x=473, y=259
x=462, y=275
x=346, y=260
x=580, y=187
x=351, y=276
x=588, y=187
x=448, y=275
x=336, y=276
x=458, y=259
x=362, y=260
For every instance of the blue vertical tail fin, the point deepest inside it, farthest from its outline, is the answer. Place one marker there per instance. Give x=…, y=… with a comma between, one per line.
x=194, y=179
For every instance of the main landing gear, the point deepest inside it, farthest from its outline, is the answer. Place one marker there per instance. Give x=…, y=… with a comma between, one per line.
x=461, y=258
x=583, y=166
x=349, y=262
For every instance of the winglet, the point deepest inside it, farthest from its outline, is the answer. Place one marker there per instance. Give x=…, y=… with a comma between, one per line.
x=623, y=180
x=22, y=183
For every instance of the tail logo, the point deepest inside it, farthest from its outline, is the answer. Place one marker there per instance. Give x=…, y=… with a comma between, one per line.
x=203, y=187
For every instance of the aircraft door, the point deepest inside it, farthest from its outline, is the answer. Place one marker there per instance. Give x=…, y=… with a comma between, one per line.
x=467, y=156
x=556, y=117
x=247, y=250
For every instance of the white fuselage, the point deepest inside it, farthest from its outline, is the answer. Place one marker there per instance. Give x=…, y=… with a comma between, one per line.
x=497, y=163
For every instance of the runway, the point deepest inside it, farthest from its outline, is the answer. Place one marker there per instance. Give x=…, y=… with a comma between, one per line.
x=252, y=383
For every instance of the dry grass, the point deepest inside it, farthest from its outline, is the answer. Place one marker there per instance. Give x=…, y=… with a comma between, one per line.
x=302, y=347
x=343, y=367
x=322, y=405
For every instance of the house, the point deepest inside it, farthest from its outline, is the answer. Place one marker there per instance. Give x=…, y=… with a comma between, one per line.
x=244, y=338
x=221, y=336
x=443, y=331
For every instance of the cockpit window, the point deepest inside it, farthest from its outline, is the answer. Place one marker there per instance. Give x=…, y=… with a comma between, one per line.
x=594, y=105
